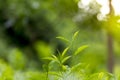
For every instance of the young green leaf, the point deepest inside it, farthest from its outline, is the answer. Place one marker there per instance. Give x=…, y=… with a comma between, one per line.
x=62, y=38
x=59, y=54
x=54, y=57
x=76, y=67
x=100, y=75
x=49, y=58
x=65, y=51
x=81, y=48
x=75, y=35
x=65, y=59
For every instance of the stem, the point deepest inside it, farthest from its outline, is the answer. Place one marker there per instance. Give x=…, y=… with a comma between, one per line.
x=47, y=71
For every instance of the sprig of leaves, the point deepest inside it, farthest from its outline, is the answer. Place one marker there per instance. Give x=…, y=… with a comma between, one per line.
x=61, y=59
x=63, y=56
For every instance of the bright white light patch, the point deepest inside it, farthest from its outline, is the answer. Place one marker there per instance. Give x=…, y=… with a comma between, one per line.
x=104, y=6
x=85, y=2
x=116, y=6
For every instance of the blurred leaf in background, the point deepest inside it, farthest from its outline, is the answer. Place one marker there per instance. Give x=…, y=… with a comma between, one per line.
x=17, y=59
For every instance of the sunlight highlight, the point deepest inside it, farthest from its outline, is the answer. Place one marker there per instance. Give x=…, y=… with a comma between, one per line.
x=104, y=6
x=116, y=6
x=104, y=10
x=85, y=2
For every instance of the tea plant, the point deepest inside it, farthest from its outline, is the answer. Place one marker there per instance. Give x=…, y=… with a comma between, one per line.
x=57, y=63
x=57, y=69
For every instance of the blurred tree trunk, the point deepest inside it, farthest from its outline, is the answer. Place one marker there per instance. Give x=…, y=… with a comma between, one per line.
x=110, y=44
x=110, y=54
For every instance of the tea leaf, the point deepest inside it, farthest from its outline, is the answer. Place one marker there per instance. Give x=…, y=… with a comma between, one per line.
x=62, y=38
x=64, y=52
x=100, y=75
x=54, y=57
x=81, y=48
x=65, y=59
x=75, y=67
x=49, y=58
x=75, y=35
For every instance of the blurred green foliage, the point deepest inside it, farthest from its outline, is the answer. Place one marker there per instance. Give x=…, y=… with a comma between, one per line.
x=28, y=32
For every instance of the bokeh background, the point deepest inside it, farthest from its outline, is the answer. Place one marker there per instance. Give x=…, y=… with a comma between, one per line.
x=28, y=31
